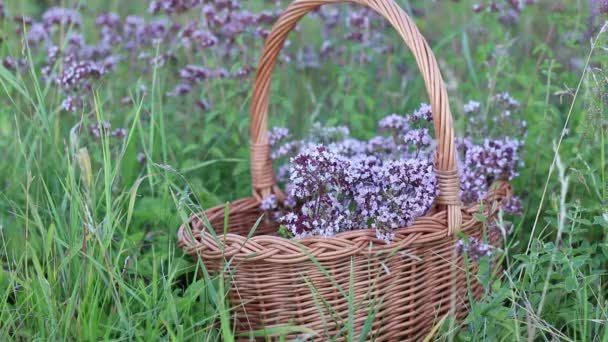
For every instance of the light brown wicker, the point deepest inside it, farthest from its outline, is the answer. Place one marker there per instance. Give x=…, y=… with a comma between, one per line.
x=411, y=283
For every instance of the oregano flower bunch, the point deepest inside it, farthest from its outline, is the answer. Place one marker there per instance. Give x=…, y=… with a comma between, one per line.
x=335, y=183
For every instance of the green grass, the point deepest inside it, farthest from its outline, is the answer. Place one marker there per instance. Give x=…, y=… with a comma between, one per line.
x=88, y=235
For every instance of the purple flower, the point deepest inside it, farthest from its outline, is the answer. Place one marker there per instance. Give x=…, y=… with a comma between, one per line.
x=269, y=203
x=11, y=64
x=243, y=72
x=319, y=182
x=474, y=248
x=70, y=104
x=478, y=7
x=172, y=6
x=61, y=17
x=277, y=134
x=202, y=104
x=393, y=194
x=120, y=133
x=141, y=158
x=194, y=73
x=96, y=130
x=424, y=112
x=507, y=100
x=180, y=90
x=397, y=123
x=75, y=40
x=358, y=20
x=418, y=137
x=37, y=34
x=472, y=107
x=322, y=134
x=348, y=184
x=382, y=146
x=108, y=20
x=495, y=159
x=79, y=71
x=266, y=18
x=354, y=36
x=203, y=39
x=513, y=206
x=316, y=169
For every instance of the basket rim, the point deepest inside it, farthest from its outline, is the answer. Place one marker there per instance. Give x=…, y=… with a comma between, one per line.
x=194, y=238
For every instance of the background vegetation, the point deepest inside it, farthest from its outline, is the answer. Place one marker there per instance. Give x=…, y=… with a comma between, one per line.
x=88, y=220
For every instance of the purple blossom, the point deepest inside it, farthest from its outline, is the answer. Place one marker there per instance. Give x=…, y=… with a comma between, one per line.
x=37, y=34
x=126, y=100
x=354, y=36
x=75, y=40
x=396, y=123
x=141, y=158
x=172, y=6
x=308, y=58
x=243, y=72
x=61, y=17
x=108, y=20
x=323, y=134
x=350, y=147
x=393, y=194
x=494, y=159
x=13, y=64
x=277, y=134
x=71, y=104
x=509, y=17
x=507, y=100
x=78, y=72
x=478, y=7
x=349, y=184
x=202, y=104
x=120, y=133
x=319, y=181
x=380, y=145
x=96, y=129
x=194, y=73
x=472, y=107
x=513, y=206
x=269, y=203
x=315, y=170
x=266, y=18
x=424, y=112
x=202, y=39
x=418, y=137
x=180, y=90
x=22, y=22
x=358, y=20
x=474, y=248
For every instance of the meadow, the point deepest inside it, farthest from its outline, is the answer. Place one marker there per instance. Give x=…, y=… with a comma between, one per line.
x=121, y=119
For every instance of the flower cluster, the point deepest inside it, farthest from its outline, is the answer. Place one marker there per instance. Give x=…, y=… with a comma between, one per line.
x=495, y=156
x=494, y=159
x=508, y=12
x=337, y=183
x=104, y=128
x=475, y=248
x=338, y=194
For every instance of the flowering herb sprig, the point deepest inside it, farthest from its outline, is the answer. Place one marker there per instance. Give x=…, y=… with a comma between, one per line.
x=336, y=183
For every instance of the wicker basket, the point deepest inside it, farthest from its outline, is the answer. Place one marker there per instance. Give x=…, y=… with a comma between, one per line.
x=410, y=284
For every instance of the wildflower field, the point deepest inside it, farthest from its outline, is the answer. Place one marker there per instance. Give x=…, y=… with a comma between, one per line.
x=119, y=120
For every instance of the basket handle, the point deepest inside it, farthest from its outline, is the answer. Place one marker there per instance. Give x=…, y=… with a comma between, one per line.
x=263, y=179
